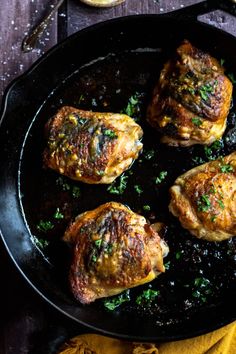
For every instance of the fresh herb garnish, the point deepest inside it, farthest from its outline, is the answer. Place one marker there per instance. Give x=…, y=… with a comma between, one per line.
x=40, y=242
x=204, y=203
x=120, y=188
x=207, y=89
x=138, y=189
x=213, y=218
x=114, y=302
x=98, y=243
x=45, y=226
x=110, y=133
x=161, y=177
x=147, y=297
x=58, y=214
x=149, y=154
x=167, y=265
x=202, y=288
x=226, y=168
x=133, y=106
x=211, y=151
x=198, y=160
x=178, y=255
x=221, y=204
x=62, y=183
x=146, y=207
x=197, y=121
x=76, y=191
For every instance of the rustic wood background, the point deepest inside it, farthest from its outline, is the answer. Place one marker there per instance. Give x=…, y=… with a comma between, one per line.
x=27, y=323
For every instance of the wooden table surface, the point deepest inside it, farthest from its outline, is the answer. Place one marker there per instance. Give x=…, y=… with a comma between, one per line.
x=27, y=323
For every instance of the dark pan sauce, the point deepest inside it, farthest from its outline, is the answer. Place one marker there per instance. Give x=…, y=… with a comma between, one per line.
x=199, y=274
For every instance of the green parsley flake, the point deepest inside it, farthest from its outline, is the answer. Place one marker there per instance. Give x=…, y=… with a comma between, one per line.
x=138, y=189
x=110, y=133
x=98, y=243
x=76, y=191
x=147, y=297
x=45, y=226
x=161, y=177
x=58, y=214
x=221, y=204
x=62, y=183
x=120, y=188
x=204, y=203
x=39, y=242
x=114, y=302
x=226, y=168
x=146, y=207
x=149, y=154
x=197, y=121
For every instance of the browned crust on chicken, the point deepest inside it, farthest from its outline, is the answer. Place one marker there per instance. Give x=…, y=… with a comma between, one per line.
x=191, y=100
x=91, y=147
x=204, y=199
x=114, y=249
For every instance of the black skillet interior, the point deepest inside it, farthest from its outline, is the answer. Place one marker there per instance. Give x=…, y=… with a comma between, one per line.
x=122, y=59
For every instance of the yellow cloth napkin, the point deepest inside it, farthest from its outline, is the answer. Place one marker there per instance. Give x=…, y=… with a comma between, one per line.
x=221, y=341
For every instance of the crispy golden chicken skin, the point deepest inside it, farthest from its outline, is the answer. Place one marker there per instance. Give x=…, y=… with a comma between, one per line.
x=89, y=146
x=114, y=249
x=204, y=199
x=191, y=100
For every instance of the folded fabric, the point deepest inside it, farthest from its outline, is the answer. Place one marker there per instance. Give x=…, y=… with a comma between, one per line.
x=221, y=341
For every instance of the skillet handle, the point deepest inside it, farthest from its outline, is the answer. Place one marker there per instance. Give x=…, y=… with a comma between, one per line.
x=202, y=8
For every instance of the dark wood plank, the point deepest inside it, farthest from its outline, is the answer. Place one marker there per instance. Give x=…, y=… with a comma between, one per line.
x=16, y=19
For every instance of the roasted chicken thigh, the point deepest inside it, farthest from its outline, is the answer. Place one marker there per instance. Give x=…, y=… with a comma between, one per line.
x=89, y=146
x=191, y=100
x=114, y=249
x=204, y=199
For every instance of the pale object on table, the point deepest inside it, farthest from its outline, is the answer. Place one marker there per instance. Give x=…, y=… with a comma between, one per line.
x=102, y=3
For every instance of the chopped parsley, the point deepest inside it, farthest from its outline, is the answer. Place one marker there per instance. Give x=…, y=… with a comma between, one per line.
x=198, y=160
x=226, y=168
x=62, y=183
x=201, y=288
x=161, y=177
x=178, y=255
x=207, y=89
x=81, y=98
x=115, y=188
x=211, y=151
x=98, y=243
x=149, y=154
x=221, y=204
x=58, y=214
x=146, y=207
x=147, y=297
x=114, y=302
x=204, y=203
x=213, y=218
x=197, y=121
x=133, y=106
x=45, y=226
x=110, y=133
x=138, y=189
x=39, y=242
x=167, y=265
x=76, y=191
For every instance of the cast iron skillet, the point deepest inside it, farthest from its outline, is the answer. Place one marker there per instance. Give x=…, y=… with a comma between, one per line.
x=100, y=68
